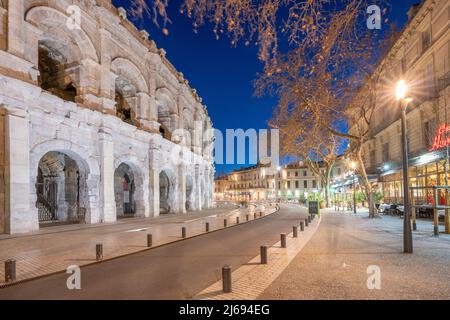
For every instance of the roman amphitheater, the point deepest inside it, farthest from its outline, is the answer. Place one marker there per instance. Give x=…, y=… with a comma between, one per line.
x=95, y=123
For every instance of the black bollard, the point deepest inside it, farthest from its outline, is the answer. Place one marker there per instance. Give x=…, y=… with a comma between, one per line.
x=263, y=250
x=295, y=232
x=254, y=215
x=183, y=232
x=237, y=220
x=207, y=227
x=10, y=270
x=99, y=251
x=309, y=219
x=247, y=217
x=283, y=240
x=302, y=225
x=224, y=222
x=149, y=240
x=306, y=222
x=226, y=279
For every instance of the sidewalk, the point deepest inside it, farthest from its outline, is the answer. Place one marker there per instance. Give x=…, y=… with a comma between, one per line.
x=53, y=249
x=336, y=263
x=251, y=279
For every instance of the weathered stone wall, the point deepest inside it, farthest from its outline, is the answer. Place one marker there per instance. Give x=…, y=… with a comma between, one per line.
x=105, y=55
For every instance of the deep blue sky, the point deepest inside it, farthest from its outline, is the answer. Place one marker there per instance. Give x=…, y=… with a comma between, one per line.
x=221, y=73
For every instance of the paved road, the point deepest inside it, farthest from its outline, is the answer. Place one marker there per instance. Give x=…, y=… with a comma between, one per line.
x=175, y=271
x=333, y=265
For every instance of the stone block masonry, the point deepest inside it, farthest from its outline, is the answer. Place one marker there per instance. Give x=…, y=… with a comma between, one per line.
x=95, y=123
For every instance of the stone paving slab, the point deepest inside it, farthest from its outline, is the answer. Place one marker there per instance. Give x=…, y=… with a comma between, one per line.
x=53, y=249
x=250, y=280
x=336, y=262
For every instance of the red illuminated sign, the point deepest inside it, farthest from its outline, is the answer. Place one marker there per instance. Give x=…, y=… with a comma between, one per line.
x=441, y=140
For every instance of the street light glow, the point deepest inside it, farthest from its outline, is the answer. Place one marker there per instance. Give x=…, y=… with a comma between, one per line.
x=401, y=90
x=353, y=165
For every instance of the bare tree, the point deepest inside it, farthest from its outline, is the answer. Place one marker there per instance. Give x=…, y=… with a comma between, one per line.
x=328, y=67
x=307, y=140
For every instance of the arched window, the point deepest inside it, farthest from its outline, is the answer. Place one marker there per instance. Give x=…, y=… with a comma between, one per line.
x=56, y=72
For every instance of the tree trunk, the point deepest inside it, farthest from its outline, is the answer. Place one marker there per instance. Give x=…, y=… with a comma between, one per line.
x=373, y=212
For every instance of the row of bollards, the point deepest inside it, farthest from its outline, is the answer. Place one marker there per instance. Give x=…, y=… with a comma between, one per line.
x=226, y=270
x=10, y=265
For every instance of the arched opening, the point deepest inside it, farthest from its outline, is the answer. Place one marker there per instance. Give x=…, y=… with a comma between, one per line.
x=189, y=188
x=165, y=133
x=61, y=190
x=125, y=191
x=56, y=71
x=167, y=113
x=126, y=100
x=164, y=193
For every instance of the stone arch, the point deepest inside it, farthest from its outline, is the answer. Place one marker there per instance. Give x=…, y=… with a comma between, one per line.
x=167, y=190
x=129, y=190
x=49, y=19
x=88, y=175
x=61, y=53
x=129, y=83
x=168, y=116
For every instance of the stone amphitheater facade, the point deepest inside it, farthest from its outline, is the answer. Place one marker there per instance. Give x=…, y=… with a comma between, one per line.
x=95, y=123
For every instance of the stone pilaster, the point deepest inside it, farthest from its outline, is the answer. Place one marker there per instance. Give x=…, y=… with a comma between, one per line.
x=197, y=189
x=107, y=78
x=107, y=197
x=16, y=28
x=153, y=184
x=19, y=216
x=182, y=188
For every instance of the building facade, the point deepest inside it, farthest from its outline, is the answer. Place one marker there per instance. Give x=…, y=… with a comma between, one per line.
x=248, y=184
x=421, y=57
x=294, y=181
x=95, y=123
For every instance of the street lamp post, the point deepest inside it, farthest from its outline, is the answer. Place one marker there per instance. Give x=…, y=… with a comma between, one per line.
x=407, y=233
x=353, y=165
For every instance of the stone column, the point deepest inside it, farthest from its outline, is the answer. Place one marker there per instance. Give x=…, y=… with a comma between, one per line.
x=107, y=197
x=107, y=78
x=153, y=184
x=19, y=216
x=181, y=188
x=16, y=23
x=197, y=189
x=211, y=188
x=3, y=30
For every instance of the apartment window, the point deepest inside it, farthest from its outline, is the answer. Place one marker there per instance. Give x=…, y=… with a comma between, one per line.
x=289, y=174
x=279, y=185
x=314, y=184
x=288, y=184
x=429, y=132
x=296, y=173
x=296, y=184
x=305, y=184
x=426, y=40
x=305, y=173
x=385, y=152
x=373, y=157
